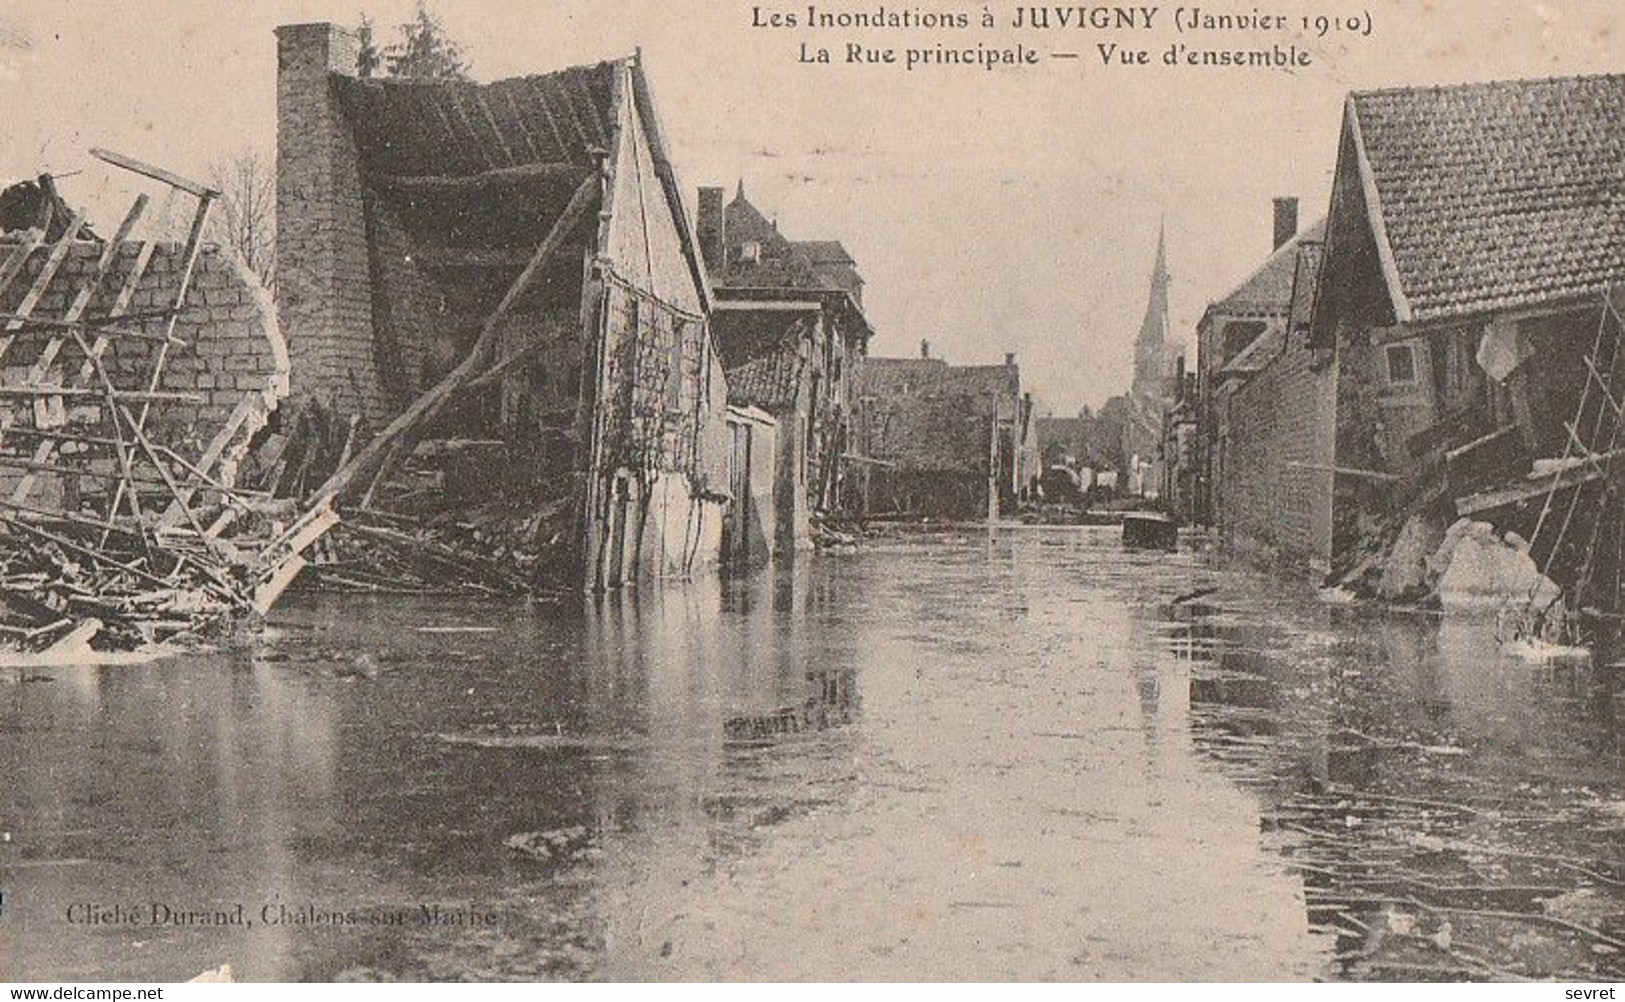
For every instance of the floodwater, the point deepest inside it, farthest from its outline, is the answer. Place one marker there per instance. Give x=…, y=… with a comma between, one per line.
x=1021, y=753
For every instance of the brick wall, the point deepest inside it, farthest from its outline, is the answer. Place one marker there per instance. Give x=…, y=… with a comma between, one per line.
x=232, y=346
x=324, y=279
x=1281, y=417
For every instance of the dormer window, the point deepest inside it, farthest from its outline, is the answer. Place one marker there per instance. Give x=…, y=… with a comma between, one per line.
x=750, y=251
x=1401, y=365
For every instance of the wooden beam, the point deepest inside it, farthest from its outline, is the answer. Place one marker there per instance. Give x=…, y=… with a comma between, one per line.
x=19, y=256
x=32, y=324
x=438, y=184
x=1348, y=471
x=32, y=390
x=156, y=173
x=1501, y=497
x=42, y=281
x=398, y=439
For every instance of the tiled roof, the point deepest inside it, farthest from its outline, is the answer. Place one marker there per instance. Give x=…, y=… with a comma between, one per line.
x=824, y=251
x=1501, y=194
x=453, y=127
x=771, y=382
x=886, y=377
x=1267, y=292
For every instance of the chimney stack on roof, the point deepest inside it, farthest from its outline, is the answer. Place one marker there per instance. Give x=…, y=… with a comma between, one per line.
x=1286, y=221
x=710, y=224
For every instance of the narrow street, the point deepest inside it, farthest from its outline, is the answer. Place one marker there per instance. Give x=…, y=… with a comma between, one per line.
x=1023, y=753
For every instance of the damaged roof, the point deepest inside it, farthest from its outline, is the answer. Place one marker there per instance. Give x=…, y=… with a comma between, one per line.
x=458, y=128
x=1493, y=195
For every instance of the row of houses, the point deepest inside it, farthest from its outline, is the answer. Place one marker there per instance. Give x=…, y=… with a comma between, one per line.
x=690, y=388
x=1441, y=346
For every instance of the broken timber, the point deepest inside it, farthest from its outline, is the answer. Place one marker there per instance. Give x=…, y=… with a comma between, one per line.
x=90, y=566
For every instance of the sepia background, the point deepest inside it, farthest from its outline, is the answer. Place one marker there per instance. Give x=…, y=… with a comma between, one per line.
x=1023, y=201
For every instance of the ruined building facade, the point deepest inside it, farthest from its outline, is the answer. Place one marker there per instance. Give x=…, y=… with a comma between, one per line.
x=421, y=220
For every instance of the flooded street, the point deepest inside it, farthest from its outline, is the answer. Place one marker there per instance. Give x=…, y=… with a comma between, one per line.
x=1017, y=754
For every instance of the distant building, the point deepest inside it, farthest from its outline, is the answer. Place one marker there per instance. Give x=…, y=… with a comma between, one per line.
x=947, y=441
x=790, y=329
x=1140, y=412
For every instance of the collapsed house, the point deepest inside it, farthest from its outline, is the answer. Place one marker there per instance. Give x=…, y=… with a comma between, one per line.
x=956, y=442
x=790, y=329
x=1463, y=309
x=499, y=285
x=134, y=370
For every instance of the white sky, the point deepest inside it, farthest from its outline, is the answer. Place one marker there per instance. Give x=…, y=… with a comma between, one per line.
x=1013, y=211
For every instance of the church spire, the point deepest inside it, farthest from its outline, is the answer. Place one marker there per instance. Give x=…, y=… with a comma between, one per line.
x=1151, y=347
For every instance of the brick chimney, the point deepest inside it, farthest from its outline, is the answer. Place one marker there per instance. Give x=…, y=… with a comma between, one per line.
x=1286, y=221
x=711, y=224
x=324, y=286
x=925, y=348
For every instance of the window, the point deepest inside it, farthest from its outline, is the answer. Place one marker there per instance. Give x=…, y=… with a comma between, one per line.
x=751, y=251
x=1401, y=364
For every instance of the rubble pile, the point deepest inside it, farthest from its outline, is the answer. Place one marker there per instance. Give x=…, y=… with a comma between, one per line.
x=134, y=371
x=64, y=590
x=498, y=548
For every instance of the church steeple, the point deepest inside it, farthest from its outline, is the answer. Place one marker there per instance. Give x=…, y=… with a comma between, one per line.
x=1151, y=347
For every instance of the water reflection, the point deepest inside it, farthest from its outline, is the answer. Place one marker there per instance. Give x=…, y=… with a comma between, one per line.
x=368, y=758
x=1453, y=814
x=963, y=755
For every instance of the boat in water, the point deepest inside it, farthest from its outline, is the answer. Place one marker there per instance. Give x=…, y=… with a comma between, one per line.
x=1150, y=530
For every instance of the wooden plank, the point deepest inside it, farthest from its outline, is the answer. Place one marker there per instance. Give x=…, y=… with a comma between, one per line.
x=156, y=173
x=1584, y=470
x=194, y=245
x=282, y=561
x=1501, y=497
x=42, y=281
x=136, y=396
x=121, y=303
x=49, y=410
x=211, y=455
x=1348, y=471
x=85, y=551
x=495, y=177
x=33, y=324
x=19, y=257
